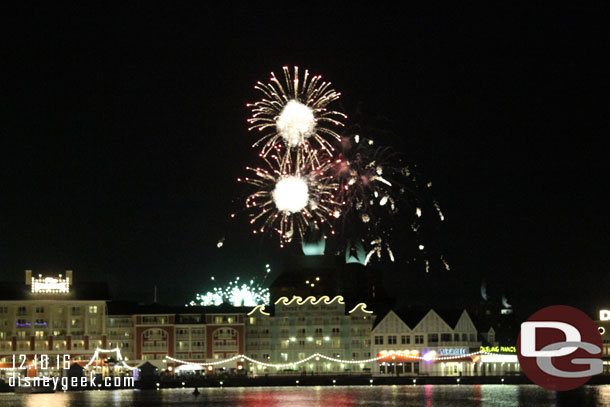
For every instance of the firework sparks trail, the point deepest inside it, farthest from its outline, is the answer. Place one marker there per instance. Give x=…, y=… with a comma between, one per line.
x=295, y=113
x=375, y=187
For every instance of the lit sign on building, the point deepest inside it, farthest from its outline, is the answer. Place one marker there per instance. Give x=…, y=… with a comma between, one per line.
x=492, y=349
x=50, y=285
x=452, y=351
x=604, y=315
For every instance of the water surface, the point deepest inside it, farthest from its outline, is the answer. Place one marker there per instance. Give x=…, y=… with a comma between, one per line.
x=340, y=396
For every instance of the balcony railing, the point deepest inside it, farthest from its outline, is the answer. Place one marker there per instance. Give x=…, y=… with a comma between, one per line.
x=225, y=347
x=121, y=324
x=154, y=348
x=155, y=337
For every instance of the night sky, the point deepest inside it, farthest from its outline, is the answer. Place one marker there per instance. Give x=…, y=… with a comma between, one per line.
x=124, y=128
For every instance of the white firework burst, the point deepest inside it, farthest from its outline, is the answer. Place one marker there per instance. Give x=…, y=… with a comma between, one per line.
x=292, y=194
x=295, y=112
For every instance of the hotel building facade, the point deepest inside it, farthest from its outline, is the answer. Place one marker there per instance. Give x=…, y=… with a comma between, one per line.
x=303, y=327
x=420, y=336
x=55, y=316
x=52, y=316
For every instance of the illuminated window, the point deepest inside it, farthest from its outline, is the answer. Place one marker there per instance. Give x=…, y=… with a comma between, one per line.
x=92, y=309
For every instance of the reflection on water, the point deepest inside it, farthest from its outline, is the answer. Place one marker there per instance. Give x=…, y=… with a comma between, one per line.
x=407, y=396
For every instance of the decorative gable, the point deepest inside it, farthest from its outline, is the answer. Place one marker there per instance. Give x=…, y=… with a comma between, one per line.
x=432, y=322
x=390, y=324
x=465, y=324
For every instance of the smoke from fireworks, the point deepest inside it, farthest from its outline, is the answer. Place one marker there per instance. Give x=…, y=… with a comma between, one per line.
x=379, y=191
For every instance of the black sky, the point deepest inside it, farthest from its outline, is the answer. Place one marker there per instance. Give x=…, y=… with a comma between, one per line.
x=124, y=128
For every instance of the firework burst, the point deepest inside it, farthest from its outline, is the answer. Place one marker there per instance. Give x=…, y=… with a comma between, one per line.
x=236, y=293
x=315, y=181
x=378, y=191
x=292, y=194
x=295, y=113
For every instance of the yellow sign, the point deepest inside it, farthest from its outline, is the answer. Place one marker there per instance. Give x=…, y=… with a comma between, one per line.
x=50, y=285
x=505, y=349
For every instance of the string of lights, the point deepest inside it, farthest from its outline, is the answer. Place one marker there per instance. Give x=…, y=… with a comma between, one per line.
x=319, y=356
x=118, y=355
x=117, y=351
x=316, y=356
